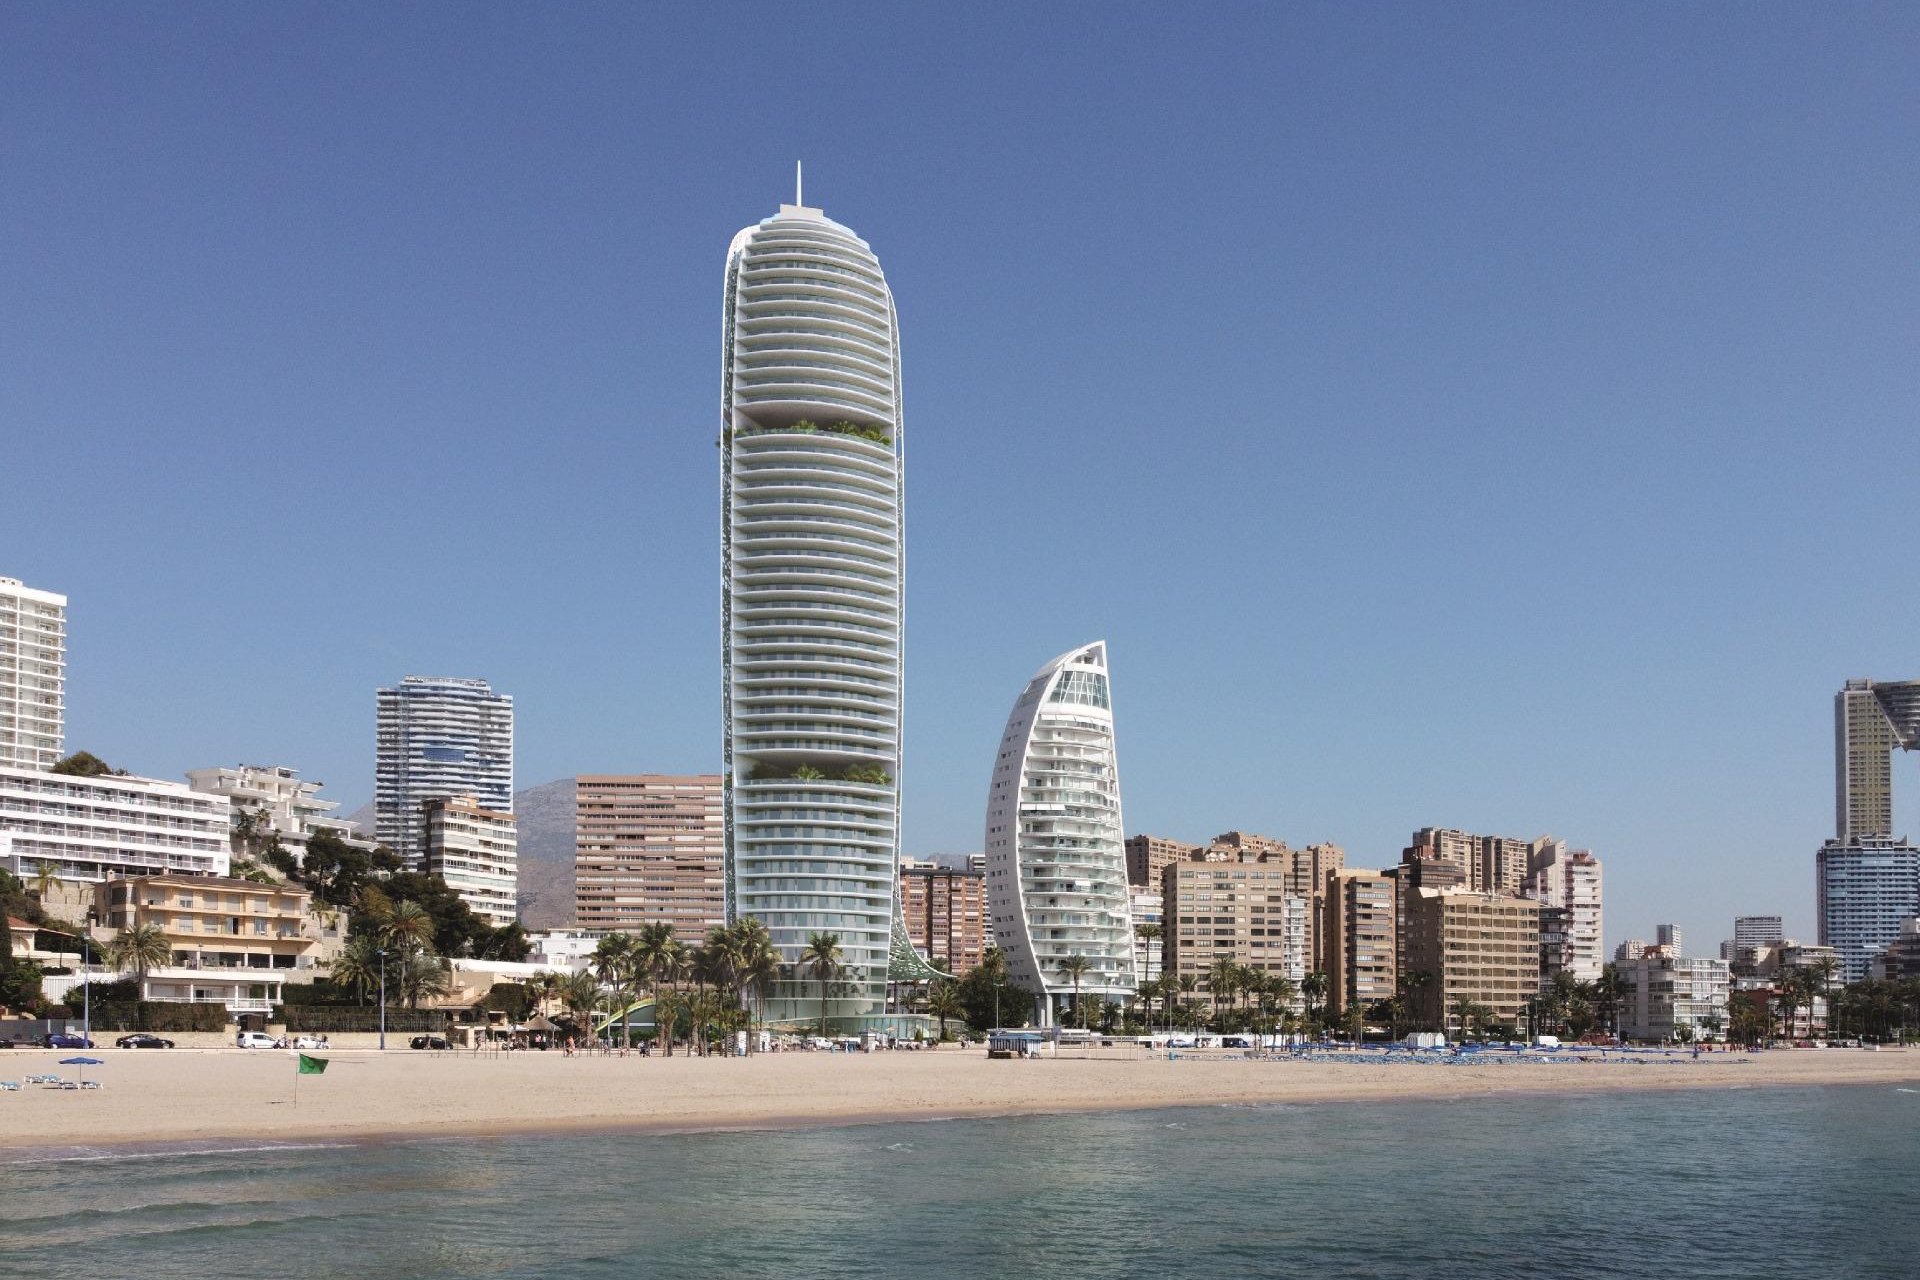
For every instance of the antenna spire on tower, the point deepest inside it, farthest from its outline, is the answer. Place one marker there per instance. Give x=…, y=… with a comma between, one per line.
x=797, y=186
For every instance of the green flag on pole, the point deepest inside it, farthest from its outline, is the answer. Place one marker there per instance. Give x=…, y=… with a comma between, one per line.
x=310, y=1066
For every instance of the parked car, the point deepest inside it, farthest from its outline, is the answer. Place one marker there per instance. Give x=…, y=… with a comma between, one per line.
x=257, y=1040
x=61, y=1040
x=141, y=1040
x=308, y=1042
x=428, y=1042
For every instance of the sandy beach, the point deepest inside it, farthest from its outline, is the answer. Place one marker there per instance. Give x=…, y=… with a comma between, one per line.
x=181, y=1095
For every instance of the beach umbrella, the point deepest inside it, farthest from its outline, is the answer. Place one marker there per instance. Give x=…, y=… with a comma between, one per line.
x=83, y=1064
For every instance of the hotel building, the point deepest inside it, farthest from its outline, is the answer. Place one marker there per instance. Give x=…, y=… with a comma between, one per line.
x=1234, y=903
x=33, y=676
x=1358, y=938
x=1867, y=887
x=1056, y=859
x=811, y=467
x=90, y=829
x=649, y=848
x=946, y=911
x=1667, y=991
x=1467, y=945
x=438, y=736
x=476, y=851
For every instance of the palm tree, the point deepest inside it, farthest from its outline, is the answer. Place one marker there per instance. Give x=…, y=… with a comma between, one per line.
x=422, y=975
x=1076, y=967
x=139, y=947
x=613, y=964
x=823, y=962
x=580, y=993
x=357, y=968
x=943, y=1002
x=1223, y=977
x=1823, y=970
x=408, y=928
x=1313, y=990
x=45, y=879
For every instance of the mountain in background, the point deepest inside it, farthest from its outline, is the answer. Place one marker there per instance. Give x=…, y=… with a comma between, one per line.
x=544, y=815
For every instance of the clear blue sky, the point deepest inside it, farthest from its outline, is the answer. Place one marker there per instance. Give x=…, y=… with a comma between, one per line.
x=1499, y=417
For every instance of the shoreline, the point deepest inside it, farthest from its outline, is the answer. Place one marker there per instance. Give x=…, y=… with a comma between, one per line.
x=166, y=1102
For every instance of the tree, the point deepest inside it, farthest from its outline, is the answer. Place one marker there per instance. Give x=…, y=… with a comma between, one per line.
x=580, y=993
x=1074, y=968
x=508, y=942
x=46, y=879
x=422, y=976
x=613, y=963
x=357, y=968
x=336, y=871
x=139, y=947
x=944, y=1002
x=1313, y=990
x=988, y=1000
x=1223, y=979
x=85, y=764
x=822, y=960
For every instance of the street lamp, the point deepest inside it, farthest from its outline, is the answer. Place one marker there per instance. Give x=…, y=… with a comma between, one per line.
x=382, y=953
x=86, y=977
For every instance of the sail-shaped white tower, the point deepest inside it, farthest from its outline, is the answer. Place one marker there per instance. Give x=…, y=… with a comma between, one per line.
x=811, y=564
x=1056, y=855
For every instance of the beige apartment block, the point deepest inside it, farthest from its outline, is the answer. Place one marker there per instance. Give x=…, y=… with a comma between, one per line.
x=1148, y=856
x=1307, y=870
x=945, y=909
x=476, y=851
x=1492, y=864
x=1222, y=903
x=1463, y=944
x=650, y=848
x=234, y=942
x=1357, y=936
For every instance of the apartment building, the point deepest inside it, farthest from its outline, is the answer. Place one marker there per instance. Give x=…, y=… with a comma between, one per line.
x=1358, y=937
x=33, y=676
x=1467, y=945
x=1306, y=870
x=234, y=942
x=476, y=851
x=288, y=807
x=650, y=848
x=91, y=829
x=438, y=736
x=1148, y=856
x=1670, y=995
x=945, y=909
x=1230, y=903
x=1567, y=883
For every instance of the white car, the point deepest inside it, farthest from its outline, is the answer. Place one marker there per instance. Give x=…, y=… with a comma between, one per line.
x=256, y=1040
x=306, y=1042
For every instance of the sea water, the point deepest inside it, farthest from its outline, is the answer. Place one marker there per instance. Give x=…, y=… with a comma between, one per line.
x=1755, y=1182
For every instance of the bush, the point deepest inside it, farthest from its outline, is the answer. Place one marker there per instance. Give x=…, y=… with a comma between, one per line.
x=319, y=991
x=335, y=1018
x=159, y=1015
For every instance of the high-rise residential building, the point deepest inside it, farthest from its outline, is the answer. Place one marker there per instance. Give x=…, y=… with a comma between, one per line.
x=1463, y=944
x=1899, y=960
x=1492, y=864
x=811, y=464
x=650, y=848
x=1668, y=935
x=438, y=737
x=1148, y=855
x=476, y=851
x=1056, y=860
x=1358, y=938
x=287, y=808
x=1668, y=993
x=33, y=676
x=1872, y=720
x=1149, y=908
x=1230, y=902
x=1567, y=883
x=945, y=909
x=1758, y=931
x=1306, y=872
x=1867, y=887
x=117, y=825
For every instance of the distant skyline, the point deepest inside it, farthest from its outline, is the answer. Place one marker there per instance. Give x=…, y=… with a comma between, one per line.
x=1492, y=417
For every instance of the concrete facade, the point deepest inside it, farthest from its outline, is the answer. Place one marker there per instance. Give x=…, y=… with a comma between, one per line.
x=650, y=848
x=33, y=676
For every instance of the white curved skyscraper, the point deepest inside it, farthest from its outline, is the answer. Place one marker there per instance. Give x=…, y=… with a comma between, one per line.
x=811, y=569
x=1056, y=856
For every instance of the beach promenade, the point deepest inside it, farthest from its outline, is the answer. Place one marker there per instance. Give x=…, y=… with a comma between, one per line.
x=189, y=1095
